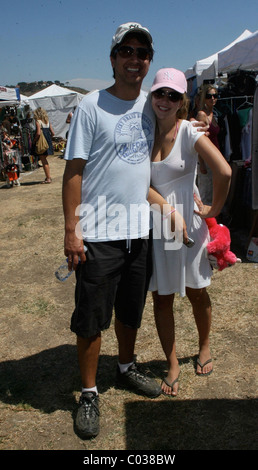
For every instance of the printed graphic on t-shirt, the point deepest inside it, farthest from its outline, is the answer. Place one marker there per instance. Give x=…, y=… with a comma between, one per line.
x=134, y=137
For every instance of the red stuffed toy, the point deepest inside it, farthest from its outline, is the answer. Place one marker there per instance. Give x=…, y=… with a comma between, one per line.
x=218, y=248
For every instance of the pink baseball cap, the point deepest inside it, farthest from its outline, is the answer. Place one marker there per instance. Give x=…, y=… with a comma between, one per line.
x=170, y=78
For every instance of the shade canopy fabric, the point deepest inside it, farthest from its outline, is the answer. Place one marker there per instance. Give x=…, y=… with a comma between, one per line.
x=58, y=102
x=241, y=56
x=9, y=96
x=208, y=68
x=52, y=90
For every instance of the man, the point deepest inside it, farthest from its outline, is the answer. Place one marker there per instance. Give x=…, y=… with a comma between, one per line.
x=107, y=174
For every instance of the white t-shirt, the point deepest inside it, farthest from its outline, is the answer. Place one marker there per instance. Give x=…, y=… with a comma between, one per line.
x=116, y=138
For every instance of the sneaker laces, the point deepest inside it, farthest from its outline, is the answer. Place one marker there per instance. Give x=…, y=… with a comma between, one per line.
x=136, y=373
x=89, y=405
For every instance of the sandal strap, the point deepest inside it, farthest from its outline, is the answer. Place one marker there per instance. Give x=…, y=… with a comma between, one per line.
x=171, y=385
x=205, y=363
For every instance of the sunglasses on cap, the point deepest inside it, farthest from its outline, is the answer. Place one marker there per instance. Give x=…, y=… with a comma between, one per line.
x=173, y=96
x=128, y=51
x=211, y=95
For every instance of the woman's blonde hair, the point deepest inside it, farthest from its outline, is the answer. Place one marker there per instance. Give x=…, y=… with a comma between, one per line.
x=40, y=114
x=182, y=113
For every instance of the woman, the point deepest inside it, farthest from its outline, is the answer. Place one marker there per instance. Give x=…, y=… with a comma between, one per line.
x=182, y=269
x=42, y=124
x=208, y=100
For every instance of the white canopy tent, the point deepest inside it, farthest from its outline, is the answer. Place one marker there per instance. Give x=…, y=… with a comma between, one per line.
x=58, y=102
x=207, y=68
x=241, y=56
x=9, y=96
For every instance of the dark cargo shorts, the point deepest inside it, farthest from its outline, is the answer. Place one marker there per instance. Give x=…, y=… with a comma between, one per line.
x=113, y=276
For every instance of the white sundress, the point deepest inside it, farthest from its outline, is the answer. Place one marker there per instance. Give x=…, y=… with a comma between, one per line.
x=174, y=177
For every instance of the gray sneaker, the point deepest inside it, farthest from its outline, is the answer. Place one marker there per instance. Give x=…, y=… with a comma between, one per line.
x=138, y=382
x=87, y=419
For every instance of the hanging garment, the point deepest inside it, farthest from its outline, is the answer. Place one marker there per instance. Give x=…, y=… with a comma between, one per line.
x=245, y=118
x=227, y=143
x=255, y=152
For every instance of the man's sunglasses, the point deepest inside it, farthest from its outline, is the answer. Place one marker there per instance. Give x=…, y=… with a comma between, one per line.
x=173, y=96
x=211, y=95
x=128, y=51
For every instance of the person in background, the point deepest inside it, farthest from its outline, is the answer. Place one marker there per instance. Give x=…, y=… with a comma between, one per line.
x=6, y=124
x=195, y=108
x=179, y=268
x=69, y=118
x=43, y=124
x=208, y=99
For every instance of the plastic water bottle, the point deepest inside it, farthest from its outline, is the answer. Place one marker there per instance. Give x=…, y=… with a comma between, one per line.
x=62, y=273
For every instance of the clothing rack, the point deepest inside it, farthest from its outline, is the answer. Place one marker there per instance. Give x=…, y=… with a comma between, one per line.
x=232, y=98
x=236, y=97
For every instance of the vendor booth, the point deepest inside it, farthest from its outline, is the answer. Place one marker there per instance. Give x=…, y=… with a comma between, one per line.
x=18, y=125
x=58, y=102
x=206, y=70
x=11, y=144
x=9, y=96
x=234, y=71
x=240, y=62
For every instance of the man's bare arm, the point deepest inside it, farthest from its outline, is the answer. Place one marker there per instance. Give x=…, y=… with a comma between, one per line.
x=71, y=194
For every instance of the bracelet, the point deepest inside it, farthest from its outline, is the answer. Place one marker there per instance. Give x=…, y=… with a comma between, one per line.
x=171, y=212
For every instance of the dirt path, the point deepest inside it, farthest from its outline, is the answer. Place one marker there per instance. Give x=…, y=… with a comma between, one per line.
x=39, y=378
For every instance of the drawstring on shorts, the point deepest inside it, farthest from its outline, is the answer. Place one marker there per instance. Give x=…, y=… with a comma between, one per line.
x=128, y=246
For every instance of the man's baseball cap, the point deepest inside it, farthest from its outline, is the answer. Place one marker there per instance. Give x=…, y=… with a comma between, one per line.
x=126, y=28
x=170, y=78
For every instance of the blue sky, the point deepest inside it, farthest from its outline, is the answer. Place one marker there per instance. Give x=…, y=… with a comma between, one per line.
x=64, y=40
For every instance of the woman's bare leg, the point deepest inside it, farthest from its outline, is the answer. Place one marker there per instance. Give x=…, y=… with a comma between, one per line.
x=201, y=305
x=164, y=318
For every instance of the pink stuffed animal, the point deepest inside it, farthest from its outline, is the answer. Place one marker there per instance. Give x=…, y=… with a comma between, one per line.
x=218, y=248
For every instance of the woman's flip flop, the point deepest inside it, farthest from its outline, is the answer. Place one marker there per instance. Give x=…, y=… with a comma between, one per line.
x=171, y=385
x=202, y=366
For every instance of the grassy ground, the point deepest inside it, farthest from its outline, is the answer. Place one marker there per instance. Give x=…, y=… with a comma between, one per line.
x=39, y=377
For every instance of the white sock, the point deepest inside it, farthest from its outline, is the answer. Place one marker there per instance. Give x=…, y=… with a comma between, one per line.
x=93, y=389
x=124, y=367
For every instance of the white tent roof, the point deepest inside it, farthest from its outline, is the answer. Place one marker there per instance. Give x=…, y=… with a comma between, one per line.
x=52, y=90
x=208, y=67
x=8, y=96
x=58, y=102
x=241, y=56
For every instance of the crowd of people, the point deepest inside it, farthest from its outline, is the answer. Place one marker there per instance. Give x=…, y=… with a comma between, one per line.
x=10, y=131
x=126, y=149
